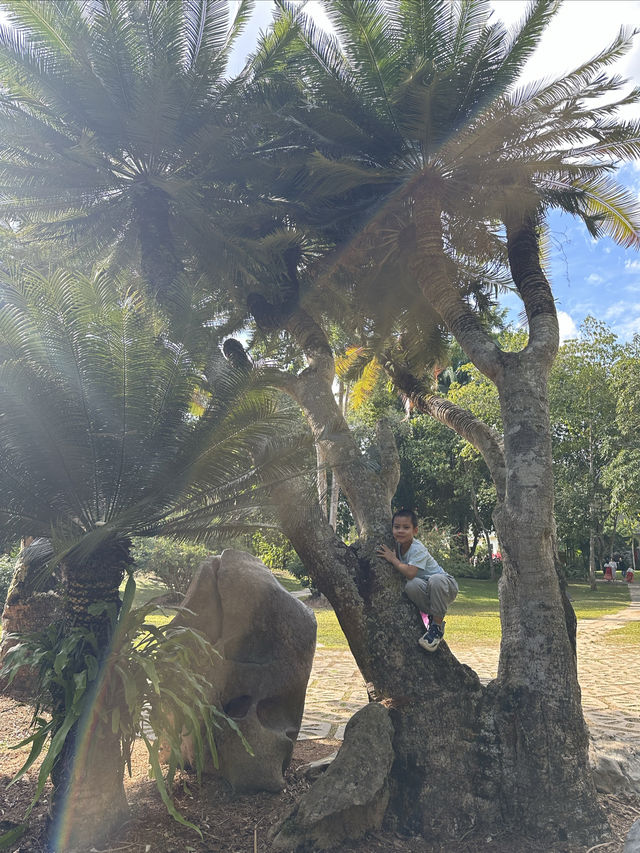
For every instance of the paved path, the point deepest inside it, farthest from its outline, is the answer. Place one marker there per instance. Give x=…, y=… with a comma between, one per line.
x=610, y=681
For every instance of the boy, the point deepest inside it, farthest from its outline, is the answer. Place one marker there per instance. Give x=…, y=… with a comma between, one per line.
x=428, y=586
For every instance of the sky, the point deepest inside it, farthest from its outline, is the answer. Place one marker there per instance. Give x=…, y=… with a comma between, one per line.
x=587, y=276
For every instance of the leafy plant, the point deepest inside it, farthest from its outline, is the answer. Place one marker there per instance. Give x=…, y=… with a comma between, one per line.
x=173, y=563
x=276, y=552
x=150, y=681
x=7, y=562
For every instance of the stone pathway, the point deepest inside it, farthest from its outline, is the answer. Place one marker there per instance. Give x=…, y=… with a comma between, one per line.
x=610, y=681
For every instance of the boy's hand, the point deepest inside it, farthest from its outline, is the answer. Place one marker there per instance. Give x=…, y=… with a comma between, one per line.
x=386, y=553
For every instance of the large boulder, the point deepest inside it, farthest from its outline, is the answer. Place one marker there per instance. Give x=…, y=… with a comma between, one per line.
x=266, y=640
x=351, y=797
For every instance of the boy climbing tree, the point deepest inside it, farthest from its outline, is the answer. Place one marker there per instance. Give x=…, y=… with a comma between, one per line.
x=428, y=586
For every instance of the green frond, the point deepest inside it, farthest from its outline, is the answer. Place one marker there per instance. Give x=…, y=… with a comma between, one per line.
x=472, y=16
x=541, y=95
x=608, y=208
x=524, y=38
x=98, y=438
x=429, y=22
x=369, y=34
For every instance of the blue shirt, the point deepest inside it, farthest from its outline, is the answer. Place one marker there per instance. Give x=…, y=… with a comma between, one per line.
x=418, y=556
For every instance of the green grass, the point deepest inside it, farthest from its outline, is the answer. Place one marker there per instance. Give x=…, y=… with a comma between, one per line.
x=628, y=635
x=147, y=587
x=288, y=581
x=608, y=598
x=330, y=634
x=473, y=618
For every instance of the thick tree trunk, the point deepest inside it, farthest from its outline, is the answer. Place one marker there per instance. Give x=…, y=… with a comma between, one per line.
x=545, y=739
x=88, y=801
x=467, y=756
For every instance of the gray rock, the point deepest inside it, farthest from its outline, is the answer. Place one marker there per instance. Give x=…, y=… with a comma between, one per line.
x=351, y=797
x=632, y=844
x=615, y=766
x=266, y=639
x=314, y=769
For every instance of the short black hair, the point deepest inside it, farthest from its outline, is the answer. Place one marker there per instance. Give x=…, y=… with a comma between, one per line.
x=406, y=513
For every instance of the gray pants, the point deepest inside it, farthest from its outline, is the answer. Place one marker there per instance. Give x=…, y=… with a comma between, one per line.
x=434, y=595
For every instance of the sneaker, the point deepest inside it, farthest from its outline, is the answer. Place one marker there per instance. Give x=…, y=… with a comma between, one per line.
x=431, y=640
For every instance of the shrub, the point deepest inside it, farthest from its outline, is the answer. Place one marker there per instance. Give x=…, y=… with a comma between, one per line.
x=276, y=552
x=6, y=573
x=172, y=563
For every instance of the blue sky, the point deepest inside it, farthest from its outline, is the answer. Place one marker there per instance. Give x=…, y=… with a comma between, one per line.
x=587, y=276
x=595, y=277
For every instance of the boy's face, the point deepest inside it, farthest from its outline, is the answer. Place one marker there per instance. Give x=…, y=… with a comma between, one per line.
x=403, y=529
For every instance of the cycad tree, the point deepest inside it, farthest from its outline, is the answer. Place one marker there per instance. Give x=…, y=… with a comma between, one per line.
x=116, y=120
x=101, y=442
x=404, y=141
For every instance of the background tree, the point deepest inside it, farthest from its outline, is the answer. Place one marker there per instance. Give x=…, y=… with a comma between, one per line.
x=622, y=476
x=585, y=432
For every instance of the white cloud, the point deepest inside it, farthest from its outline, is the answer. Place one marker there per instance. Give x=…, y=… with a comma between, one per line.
x=632, y=265
x=568, y=328
x=594, y=278
x=627, y=328
x=623, y=315
x=578, y=32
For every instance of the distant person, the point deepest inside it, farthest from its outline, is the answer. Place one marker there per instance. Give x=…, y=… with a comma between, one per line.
x=629, y=574
x=428, y=586
x=610, y=569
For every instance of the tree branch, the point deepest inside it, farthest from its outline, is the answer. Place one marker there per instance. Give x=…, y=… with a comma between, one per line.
x=389, y=458
x=432, y=269
x=482, y=437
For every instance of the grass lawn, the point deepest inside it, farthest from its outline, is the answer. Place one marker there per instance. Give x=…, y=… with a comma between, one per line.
x=628, y=635
x=288, y=581
x=473, y=617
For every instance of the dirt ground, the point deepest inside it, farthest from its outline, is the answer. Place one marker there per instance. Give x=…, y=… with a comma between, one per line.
x=239, y=824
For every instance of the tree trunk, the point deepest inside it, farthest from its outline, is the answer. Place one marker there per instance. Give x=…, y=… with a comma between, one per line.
x=88, y=801
x=467, y=756
x=613, y=536
x=545, y=736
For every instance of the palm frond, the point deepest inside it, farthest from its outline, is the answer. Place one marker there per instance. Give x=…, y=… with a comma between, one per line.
x=606, y=208
x=95, y=418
